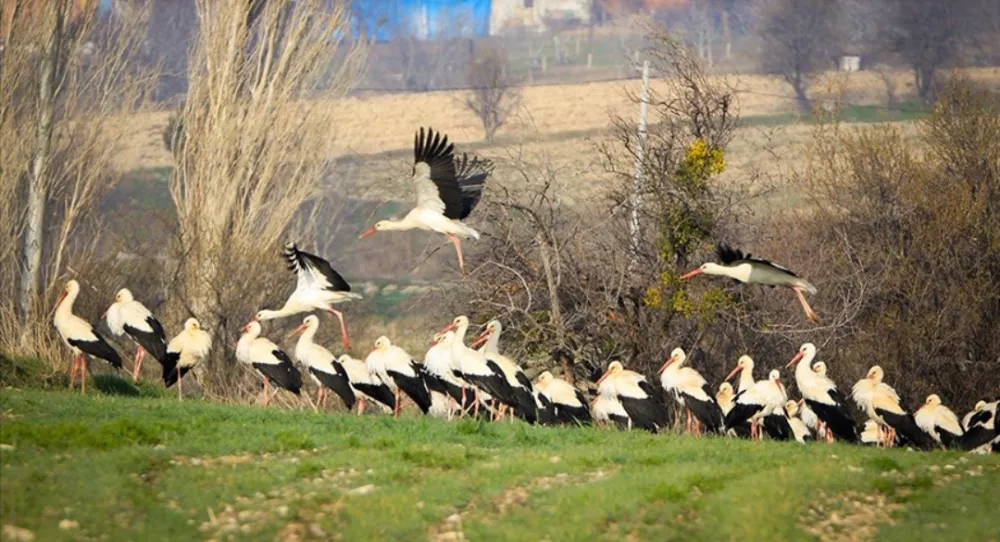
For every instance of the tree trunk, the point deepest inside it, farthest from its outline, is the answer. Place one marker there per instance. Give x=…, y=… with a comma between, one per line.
x=40, y=166
x=801, y=98
x=924, y=79
x=726, y=34
x=555, y=311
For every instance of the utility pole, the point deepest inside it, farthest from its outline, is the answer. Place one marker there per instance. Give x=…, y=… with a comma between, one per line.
x=640, y=156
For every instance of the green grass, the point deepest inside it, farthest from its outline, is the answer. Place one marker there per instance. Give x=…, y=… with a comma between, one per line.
x=131, y=468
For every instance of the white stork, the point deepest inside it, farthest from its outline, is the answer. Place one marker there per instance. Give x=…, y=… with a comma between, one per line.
x=396, y=368
x=324, y=368
x=475, y=369
x=519, y=382
x=270, y=362
x=724, y=397
x=438, y=374
x=799, y=430
x=448, y=189
x=747, y=269
x=569, y=404
x=809, y=417
x=607, y=410
x=939, y=421
x=128, y=316
x=883, y=405
x=636, y=395
x=318, y=287
x=872, y=433
x=692, y=392
x=822, y=395
x=367, y=385
x=763, y=398
x=79, y=336
x=186, y=350
x=981, y=430
x=744, y=366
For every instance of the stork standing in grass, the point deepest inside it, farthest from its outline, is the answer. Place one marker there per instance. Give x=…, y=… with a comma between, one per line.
x=569, y=404
x=799, y=430
x=763, y=398
x=126, y=316
x=637, y=396
x=396, y=368
x=269, y=361
x=438, y=373
x=822, y=395
x=448, y=189
x=747, y=269
x=606, y=410
x=939, y=421
x=80, y=336
x=324, y=368
x=185, y=351
x=318, y=287
x=744, y=366
x=474, y=368
x=367, y=385
x=882, y=404
x=692, y=392
x=519, y=382
x=981, y=429
x=809, y=417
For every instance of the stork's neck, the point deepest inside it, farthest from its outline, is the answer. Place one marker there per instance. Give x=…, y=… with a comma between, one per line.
x=65, y=308
x=492, y=344
x=266, y=314
x=725, y=271
x=803, y=371
x=746, y=379
x=408, y=222
x=458, y=342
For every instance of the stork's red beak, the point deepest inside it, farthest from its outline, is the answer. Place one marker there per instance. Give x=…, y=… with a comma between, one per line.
x=62, y=295
x=604, y=376
x=481, y=339
x=797, y=357
x=449, y=327
x=733, y=372
x=367, y=232
x=694, y=273
x=799, y=402
x=665, y=365
x=297, y=330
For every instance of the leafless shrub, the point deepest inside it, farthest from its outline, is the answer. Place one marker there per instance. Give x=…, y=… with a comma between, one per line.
x=495, y=95
x=69, y=80
x=256, y=127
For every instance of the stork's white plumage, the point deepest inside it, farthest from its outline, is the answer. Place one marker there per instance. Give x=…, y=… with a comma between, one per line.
x=605, y=410
x=744, y=366
x=126, y=316
x=822, y=395
x=981, y=428
x=568, y=402
x=939, y=421
x=318, y=287
x=322, y=365
x=636, y=394
x=725, y=397
x=809, y=417
x=763, y=398
x=367, y=385
x=692, y=392
x=439, y=375
x=520, y=384
x=447, y=189
x=396, y=368
x=185, y=351
x=80, y=336
x=475, y=369
x=270, y=362
x=799, y=430
x=883, y=405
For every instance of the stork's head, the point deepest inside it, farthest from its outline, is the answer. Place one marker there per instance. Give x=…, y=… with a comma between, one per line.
x=933, y=400
x=492, y=328
x=381, y=225
x=980, y=405
x=382, y=343
x=725, y=391
x=819, y=368
x=676, y=356
x=807, y=351
x=615, y=367
x=707, y=268
x=309, y=323
x=775, y=377
x=72, y=288
x=875, y=373
x=458, y=322
x=252, y=328
x=192, y=324
x=745, y=363
x=544, y=379
x=124, y=296
x=791, y=408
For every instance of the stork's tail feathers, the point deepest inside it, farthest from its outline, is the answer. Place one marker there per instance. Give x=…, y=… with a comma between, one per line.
x=472, y=233
x=350, y=295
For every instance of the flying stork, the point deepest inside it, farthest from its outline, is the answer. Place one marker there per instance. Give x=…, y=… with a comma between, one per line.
x=318, y=287
x=448, y=189
x=748, y=269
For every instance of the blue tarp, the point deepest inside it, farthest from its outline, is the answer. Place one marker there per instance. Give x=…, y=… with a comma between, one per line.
x=423, y=19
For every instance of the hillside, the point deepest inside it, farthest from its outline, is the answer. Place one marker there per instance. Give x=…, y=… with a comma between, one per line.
x=102, y=467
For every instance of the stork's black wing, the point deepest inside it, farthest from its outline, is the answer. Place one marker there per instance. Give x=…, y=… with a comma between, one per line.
x=434, y=150
x=471, y=176
x=730, y=256
x=314, y=270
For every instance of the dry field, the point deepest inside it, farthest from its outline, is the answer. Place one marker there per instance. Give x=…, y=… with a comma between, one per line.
x=560, y=126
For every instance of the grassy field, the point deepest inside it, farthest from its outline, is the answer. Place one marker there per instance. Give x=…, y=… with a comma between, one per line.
x=103, y=467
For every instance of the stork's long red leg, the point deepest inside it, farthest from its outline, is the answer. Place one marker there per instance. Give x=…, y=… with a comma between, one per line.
x=72, y=372
x=343, y=328
x=139, y=354
x=475, y=403
x=810, y=314
x=396, y=410
x=464, y=406
x=83, y=374
x=458, y=248
x=180, y=395
x=361, y=406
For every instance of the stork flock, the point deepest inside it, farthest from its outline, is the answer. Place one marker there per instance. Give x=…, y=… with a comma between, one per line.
x=455, y=379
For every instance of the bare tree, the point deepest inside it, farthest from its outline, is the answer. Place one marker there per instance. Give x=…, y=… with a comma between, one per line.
x=69, y=79
x=799, y=39
x=929, y=35
x=493, y=94
x=253, y=143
